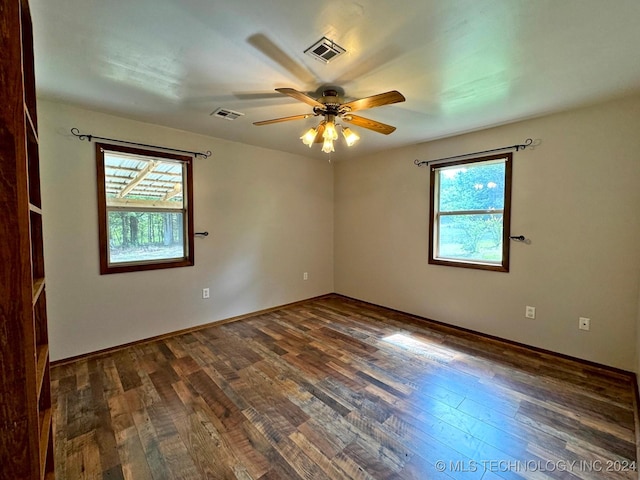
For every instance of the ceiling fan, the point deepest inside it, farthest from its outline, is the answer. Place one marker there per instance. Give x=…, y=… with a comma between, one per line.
x=330, y=106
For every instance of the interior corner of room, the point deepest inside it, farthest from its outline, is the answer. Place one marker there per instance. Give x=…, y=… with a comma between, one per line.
x=359, y=228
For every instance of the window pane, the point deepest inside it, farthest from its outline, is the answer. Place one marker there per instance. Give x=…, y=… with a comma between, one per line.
x=145, y=207
x=136, y=236
x=472, y=187
x=142, y=182
x=470, y=213
x=471, y=237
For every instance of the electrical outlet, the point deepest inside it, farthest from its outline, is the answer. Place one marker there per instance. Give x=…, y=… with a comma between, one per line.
x=305, y=276
x=530, y=312
x=584, y=323
x=205, y=293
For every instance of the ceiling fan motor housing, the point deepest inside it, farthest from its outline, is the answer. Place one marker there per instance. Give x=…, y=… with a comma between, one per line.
x=330, y=106
x=331, y=102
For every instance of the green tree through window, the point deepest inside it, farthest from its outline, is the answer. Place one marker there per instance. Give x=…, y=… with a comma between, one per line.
x=145, y=209
x=470, y=213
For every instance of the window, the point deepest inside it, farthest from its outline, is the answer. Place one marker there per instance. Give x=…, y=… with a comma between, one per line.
x=470, y=213
x=145, y=209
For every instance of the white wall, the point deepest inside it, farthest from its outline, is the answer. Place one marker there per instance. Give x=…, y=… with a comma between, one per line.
x=272, y=216
x=269, y=215
x=576, y=196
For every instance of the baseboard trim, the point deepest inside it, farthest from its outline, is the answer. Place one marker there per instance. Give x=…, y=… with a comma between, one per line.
x=623, y=373
x=109, y=350
x=636, y=409
x=631, y=376
x=608, y=368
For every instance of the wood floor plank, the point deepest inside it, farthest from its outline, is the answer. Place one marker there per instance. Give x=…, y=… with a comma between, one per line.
x=334, y=388
x=105, y=437
x=134, y=462
x=174, y=451
x=84, y=459
x=149, y=442
x=212, y=455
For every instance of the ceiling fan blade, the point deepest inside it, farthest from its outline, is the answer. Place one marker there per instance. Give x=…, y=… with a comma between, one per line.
x=370, y=124
x=319, y=138
x=283, y=119
x=300, y=96
x=257, y=95
x=263, y=44
x=374, y=101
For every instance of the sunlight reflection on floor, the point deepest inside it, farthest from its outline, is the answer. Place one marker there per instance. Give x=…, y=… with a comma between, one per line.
x=423, y=348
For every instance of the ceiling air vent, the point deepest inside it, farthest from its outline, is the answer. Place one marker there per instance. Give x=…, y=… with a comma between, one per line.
x=226, y=114
x=325, y=50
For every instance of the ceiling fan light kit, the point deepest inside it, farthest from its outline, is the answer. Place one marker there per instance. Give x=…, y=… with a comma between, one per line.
x=309, y=137
x=350, y=136
x=329, y=134
x=327, y=146
x=330, y=107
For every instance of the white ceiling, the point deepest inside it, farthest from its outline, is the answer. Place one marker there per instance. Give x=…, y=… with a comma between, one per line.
x=461, y=64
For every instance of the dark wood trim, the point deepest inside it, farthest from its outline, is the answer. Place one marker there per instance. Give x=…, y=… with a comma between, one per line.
x=188, y=197
x=337, y=388
x=110, y=350
x=513, y=343
x=614, y=370
x=418, y=318
x=506, y=216
x=102, y=209
x=636, y=412
x=432, y=209
x=467, y=264
x=607, y=368
x=144, y=152
x=24, y=376
x=189, y=259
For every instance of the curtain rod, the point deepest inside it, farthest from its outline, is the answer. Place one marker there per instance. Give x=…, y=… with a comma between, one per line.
x=88, y=136
x=527, y=143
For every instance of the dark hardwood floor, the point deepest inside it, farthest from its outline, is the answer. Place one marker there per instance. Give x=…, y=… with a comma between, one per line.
x=333, y=388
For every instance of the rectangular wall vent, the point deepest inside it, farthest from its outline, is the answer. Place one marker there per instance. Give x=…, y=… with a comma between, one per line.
x=325, y=50
x=226, y=114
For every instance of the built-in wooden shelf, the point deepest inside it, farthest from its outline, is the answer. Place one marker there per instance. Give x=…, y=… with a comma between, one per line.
x=35, y=209
x=26, y=438
x=45, y=431
x=30, y=123
x=42, y=356
x=38, y=286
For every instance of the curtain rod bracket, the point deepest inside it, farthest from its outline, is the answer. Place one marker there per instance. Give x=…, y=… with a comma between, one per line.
x=87, y=136
x=527, y=143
